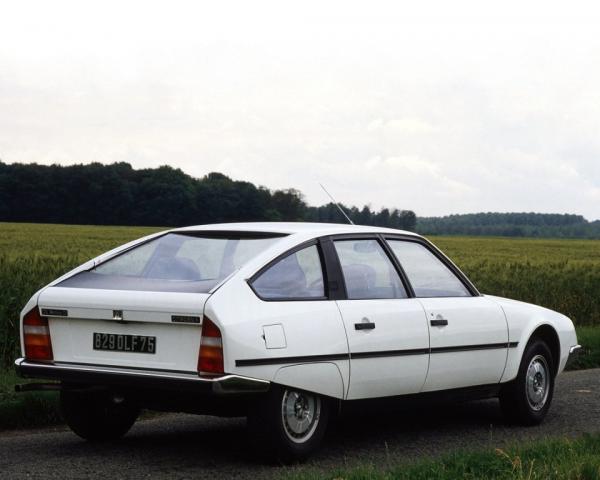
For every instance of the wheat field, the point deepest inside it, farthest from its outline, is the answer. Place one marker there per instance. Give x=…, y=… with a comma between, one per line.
x=560, y=274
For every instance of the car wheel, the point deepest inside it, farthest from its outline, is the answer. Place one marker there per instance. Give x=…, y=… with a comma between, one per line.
x=97, y=416
x=288, y=424
x=527, y=399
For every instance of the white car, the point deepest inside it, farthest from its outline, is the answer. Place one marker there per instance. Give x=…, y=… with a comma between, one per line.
x=284, y=323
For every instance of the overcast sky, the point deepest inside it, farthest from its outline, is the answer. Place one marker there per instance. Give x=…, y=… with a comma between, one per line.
x=442, y=108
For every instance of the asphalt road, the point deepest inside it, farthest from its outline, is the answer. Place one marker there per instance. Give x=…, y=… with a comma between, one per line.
x=185, y=446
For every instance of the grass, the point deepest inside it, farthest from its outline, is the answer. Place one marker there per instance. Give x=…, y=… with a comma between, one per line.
x=562, y=459
x=32, y=255
x=80, y=242
x=589, y=339
x=31, y=409
x=563, y=275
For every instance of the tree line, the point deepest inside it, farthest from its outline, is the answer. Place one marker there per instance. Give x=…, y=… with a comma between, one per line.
x=118, y=194
x=511, y=225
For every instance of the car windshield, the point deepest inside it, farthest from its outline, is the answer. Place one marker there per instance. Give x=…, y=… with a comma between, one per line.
x=186, y=262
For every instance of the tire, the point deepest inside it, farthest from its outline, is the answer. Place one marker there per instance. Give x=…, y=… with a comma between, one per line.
x=527, y=399
x=97, y=416
x=288, y=424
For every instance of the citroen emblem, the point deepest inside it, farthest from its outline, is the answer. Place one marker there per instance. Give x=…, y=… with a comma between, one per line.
x=118, y=315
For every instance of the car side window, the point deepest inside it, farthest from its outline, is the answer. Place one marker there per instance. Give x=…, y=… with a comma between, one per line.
x=427, y=274
x=296, y=276
x=368, y=271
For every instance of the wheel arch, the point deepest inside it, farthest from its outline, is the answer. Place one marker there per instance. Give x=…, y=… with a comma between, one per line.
x=525, y=333
x=322, y=378
x=548, y=334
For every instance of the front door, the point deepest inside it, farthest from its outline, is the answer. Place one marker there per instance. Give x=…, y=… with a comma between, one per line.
x=470, y=346
x=468, y=333
x=387, y=331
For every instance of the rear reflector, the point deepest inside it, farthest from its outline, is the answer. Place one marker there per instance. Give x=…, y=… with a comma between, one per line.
x=36, y=336
x=210, y=359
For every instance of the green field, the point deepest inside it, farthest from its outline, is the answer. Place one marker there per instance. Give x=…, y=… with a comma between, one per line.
x=563, y=275
x=32, y=255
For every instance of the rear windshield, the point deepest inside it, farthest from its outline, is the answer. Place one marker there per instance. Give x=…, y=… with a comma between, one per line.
x=175, y=262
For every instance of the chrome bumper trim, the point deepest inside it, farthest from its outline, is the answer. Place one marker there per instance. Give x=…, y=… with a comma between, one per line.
x=87, y=374
x=574, y=351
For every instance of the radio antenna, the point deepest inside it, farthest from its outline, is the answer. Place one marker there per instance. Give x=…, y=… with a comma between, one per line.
x=336, y=204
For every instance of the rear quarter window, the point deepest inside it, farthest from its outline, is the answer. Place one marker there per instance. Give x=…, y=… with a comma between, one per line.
x=298, y=275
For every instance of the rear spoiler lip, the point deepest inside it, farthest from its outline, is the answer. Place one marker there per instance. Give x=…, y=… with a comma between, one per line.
x=140, y=377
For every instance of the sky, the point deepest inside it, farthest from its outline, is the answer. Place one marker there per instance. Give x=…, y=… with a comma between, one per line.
x=438, y=107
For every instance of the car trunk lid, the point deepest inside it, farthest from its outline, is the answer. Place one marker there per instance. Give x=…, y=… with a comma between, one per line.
x=171, y=319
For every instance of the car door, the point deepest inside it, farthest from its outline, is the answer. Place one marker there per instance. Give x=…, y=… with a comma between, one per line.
x=468, y=332
x=387, y=332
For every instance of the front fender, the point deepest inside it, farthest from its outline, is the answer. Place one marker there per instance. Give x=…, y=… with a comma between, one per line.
x=523, y=320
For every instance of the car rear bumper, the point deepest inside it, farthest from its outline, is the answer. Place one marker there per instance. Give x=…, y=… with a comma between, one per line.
x=99, y=375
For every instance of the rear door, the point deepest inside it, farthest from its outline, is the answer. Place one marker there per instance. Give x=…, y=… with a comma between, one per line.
x=468, y=332
x=387, y=331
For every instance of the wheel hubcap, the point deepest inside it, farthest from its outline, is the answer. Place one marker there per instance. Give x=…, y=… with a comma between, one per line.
x=538, y=382
x=300, y=413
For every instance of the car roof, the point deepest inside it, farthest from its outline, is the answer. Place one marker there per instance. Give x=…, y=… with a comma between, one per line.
x=305, y=228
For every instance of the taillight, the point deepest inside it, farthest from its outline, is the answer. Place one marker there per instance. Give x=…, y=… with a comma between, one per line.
x=36, y=336
x=210, y=360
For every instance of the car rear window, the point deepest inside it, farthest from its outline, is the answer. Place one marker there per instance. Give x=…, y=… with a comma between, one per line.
x=175, y=262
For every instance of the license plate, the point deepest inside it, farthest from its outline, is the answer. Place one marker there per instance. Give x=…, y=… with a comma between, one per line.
x=124, y=343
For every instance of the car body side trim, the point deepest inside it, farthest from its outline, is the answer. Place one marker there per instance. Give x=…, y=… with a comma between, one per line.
x=390, y=353
x=375, y=354
x=283, y=360
x=466, y=348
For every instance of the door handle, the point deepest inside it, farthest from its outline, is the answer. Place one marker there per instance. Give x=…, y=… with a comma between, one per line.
x=364, y=326
x=438, y=322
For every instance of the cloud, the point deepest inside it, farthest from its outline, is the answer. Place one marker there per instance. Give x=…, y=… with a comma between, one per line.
x=441, y=110
x=401, y=126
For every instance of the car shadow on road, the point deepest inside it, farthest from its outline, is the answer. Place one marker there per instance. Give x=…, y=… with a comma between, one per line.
x=179, y=442
x=430, y=428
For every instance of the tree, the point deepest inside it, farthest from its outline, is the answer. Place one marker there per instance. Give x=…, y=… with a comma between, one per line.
x=118, y=194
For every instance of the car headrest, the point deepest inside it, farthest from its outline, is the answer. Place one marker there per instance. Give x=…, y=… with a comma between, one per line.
x=175, y=268
x=292, y=278
x=360, y=280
